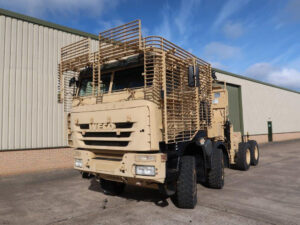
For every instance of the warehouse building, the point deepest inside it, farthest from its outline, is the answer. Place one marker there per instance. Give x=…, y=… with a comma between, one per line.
x=32, y=120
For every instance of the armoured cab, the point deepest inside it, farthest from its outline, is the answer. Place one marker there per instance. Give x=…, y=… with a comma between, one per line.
x=144, y=90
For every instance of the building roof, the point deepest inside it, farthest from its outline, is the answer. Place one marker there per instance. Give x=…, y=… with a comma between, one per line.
x=46, y=23
x=253, y=80
x=95, y=37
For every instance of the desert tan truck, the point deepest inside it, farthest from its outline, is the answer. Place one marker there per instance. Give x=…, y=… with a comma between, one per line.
x=146, y=112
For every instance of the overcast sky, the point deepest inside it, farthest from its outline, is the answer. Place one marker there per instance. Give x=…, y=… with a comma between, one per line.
x=255, y=38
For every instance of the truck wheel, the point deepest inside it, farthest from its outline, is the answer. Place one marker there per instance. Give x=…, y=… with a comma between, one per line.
x=215, y=178
x=112, y=187
x=186, y=189
x=243, y=157
x=254, y=150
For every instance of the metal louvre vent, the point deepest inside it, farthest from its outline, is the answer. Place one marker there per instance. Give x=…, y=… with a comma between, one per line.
x=107, y=134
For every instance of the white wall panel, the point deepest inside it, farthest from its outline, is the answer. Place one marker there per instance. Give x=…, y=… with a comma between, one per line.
x=2, y=49
x=30, y=116
x=262, y=103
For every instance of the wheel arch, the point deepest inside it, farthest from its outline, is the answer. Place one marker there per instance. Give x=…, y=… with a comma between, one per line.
x=197, y=151
x=220, y=145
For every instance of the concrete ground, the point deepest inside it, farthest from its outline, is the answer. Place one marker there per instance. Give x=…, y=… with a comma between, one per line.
x=266, y=194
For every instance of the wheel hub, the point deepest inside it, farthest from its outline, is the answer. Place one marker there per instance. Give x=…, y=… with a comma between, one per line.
x=256, y=153
x=248, y=157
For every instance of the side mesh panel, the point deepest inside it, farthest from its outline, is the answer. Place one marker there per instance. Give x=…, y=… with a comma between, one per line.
x=185, y=109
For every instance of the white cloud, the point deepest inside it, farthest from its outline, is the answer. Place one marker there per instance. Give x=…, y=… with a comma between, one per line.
x=145, y=31
x=295, y=63
x=218, y=65
x=287, y=54
x=260, y=70
x=229, y=8
x=184, y=15
x=40, y=8
x=217, y=50
x=233, y=30
x=285, y=77
x=105, y=25
x=177, y=21
x=164, y=29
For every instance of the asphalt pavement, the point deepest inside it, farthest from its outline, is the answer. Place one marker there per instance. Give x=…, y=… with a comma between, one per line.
x=266, y=194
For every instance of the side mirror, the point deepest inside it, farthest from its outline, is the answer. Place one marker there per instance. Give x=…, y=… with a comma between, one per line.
x=213, y=75
x=72, y=82
x=197, y=78
x=193, y=79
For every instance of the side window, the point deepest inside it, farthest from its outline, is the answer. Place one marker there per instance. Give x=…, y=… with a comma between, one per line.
x=217, y=95
x=86, y=87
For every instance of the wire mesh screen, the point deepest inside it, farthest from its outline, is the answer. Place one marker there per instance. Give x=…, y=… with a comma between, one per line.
x=183, y=114
x=75, y=55
x=69, y=90
x=153, y=73
x=120, y=41
x=185, y=109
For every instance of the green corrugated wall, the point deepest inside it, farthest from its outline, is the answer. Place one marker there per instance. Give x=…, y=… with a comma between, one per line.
x=235, y=107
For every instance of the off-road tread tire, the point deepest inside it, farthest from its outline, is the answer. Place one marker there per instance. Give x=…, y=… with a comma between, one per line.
x=241, y=163
x=215, y=178
x=112, y=187
x=186, y=191
x=252, y=143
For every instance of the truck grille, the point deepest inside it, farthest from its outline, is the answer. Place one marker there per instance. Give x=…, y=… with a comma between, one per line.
x=118, y=125
x=117, y=137
x=107, y=134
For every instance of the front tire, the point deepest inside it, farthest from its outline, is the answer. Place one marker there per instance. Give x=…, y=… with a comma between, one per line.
x=215, y=178
x=112, y=187
x=186, y=190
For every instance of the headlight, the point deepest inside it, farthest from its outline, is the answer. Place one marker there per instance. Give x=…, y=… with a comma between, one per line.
x=78, y=163
x=145, y=170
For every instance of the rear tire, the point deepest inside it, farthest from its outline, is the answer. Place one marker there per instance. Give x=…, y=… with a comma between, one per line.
x=112, y=187
x=243, y=157
x=254, y=152
x=215, y=178
x=186, y=189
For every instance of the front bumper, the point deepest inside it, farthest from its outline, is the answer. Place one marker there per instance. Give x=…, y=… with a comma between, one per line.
x=123, y=168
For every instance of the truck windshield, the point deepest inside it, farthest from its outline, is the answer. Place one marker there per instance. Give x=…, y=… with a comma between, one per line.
x=122, y=79
x=130, y=78
x=86, y=85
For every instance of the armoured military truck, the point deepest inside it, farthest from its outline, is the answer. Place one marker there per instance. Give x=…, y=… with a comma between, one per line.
x=146, y=112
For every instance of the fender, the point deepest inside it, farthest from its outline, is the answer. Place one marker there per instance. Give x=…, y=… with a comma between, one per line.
x=209, y=148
